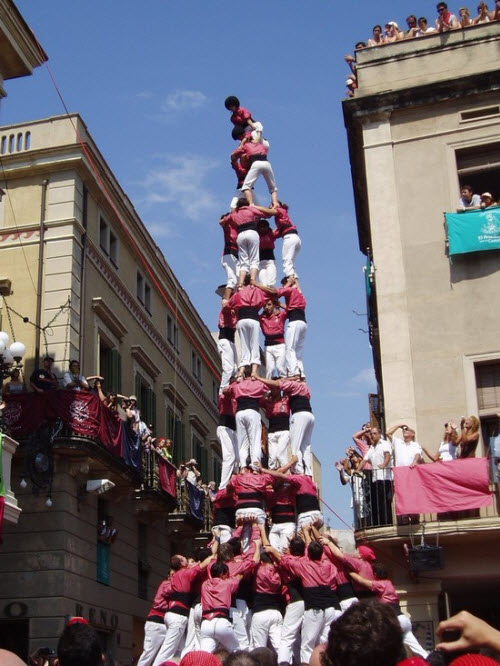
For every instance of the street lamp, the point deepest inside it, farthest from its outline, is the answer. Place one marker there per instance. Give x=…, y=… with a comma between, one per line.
x=10, y=356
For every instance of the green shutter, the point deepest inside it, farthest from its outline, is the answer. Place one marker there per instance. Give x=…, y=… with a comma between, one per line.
x=115, y=371
x=138, y=389
x=153, y=409
x=204, y=464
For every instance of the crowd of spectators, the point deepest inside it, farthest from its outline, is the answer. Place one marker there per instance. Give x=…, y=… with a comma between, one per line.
x=470, y=201
x=125, y=407
x=420, y=27
x=367, y=468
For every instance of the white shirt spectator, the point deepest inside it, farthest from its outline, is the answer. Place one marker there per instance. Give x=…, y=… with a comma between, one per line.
x=475, y=201
x=69, y=377
x=447, y=451
x=404, y=453
x=375, y=455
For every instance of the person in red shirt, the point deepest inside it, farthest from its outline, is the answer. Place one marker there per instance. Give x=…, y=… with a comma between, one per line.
x=228, y=321
x=247, y=393
x=272, y=324
x=244, y=220
x=246, y=303
x=267, y=620
x=240, y=117
x=180, y=595
x=277, y=409
x=280, y=503
x=345, y=564
x=224, y=510
x=255, y=151
x=226, y=434
x=216, y=593
x=154, y=628
x=267, y=263
x=386, y=593
x=291, y=239
x=302, y=420
x=295, y=333
x=229, y=259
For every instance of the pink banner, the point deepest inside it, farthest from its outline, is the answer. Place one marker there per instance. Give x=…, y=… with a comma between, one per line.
x=439, y=487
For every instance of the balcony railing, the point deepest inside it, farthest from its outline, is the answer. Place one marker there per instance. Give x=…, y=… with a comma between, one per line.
x=54, y=419
x=375, y=506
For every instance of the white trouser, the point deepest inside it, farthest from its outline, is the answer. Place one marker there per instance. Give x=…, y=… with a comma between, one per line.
x=347, y=603
x=295, y=337
x=176, y=626
x=154, y=635
x=281, y=534
x=248, y=516
x=248, y=250
x=218, y=630
x=241, y=617
x=290, y=250
x=309, y=517
x=249, y=434
x=230, y=265
x=266, y=624
x=193, y=630
x=312, y=628
x=260, y=168
x=409, y=638
x=248, y=330
x=291, y=630
x=267, y=272
x=225, y=533
x=277, y=448
x=275, y=360
x=229, y=445
x=229, y=359
x=301, y=428
x=331, y=614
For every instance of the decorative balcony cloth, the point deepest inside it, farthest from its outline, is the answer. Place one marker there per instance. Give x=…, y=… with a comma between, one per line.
x=473, y=230
x=196, y=498
x=438, y=487
x=167, y=476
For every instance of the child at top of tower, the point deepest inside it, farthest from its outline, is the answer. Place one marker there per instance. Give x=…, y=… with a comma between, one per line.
x=241, y=118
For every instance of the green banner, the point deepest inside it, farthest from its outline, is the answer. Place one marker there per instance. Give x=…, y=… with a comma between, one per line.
x=2, y=483
x=473, y=230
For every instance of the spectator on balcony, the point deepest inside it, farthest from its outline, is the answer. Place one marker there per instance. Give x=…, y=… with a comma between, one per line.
x=348, y=469
x=363, y=439
x=407, y=452
x=483, y=14
x=392, y=32
x=424, y=28
x=465, y=19
x=468, y=200
x=192, y=472
x=352, y=86
x=447, y=449
x=73, y=379
x=445, y=20
x=487, y=200
x=495, y=14
x=164, y=448
x=15, y=385
x=212, y=491
x=468, y=437
x=380, y=457
x=44, y=379
x=378, y=38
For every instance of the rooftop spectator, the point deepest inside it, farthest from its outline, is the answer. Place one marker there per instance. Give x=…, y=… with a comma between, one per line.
x=483, y=14
x=445, y=20
x=392, y=32
x=487, y=200
x=465, y=19
x=411, y=22
x=495, y=14
x=16, y=384
x=43, y=379
x=73, y=379
x=378, y=37
x=352, y=86
x=468, y=200
x=424, y=28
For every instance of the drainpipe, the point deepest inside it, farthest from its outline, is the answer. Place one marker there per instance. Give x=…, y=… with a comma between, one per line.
x=39, y=290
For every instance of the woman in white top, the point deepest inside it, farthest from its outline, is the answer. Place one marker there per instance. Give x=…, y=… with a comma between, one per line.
x=483, y=14
x=447, y=449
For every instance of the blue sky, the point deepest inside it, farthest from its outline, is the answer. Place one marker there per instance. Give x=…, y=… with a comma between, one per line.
x=150, y=81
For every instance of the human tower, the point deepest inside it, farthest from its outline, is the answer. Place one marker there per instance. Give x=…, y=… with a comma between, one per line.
x=268, y=578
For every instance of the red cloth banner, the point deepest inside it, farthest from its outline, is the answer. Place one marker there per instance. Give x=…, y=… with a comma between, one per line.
x=167, y=476
x=439, y=487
